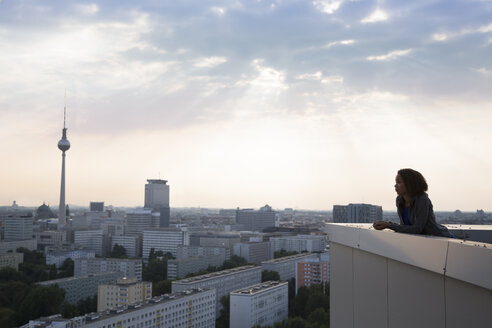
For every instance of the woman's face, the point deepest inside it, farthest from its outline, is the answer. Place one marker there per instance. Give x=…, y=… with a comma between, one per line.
x=400, y=188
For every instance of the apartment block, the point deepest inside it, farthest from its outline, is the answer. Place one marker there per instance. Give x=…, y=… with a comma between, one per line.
x=6, y=246
x=81, y=287
x=90, y=239
x=224, y=281
x=357, y=213
x=179, y=268
x=18, y=228
x=313, y=271
x=183, y=251
x=132, y=244
x=299, y=243
x=259, y=305
x=57, y=257
x=124, y=292
x=257, y=220
x=286, y=266
x=253, y=252
x=131, y=268
x=11, y=260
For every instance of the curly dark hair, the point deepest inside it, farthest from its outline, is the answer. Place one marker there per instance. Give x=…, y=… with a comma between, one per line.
x=414, y=182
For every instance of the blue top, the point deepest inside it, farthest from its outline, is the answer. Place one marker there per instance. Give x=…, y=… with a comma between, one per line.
x=406, y=218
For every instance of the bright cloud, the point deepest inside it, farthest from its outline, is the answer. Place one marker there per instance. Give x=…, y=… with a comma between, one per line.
x=218, y=10
x=484, y=71
x=209, y=62
x=377, y=15
x=391, y=55
x=88, y=9
x=327, y=6
x=312, y=76
x=342, y=42
x=440, y=36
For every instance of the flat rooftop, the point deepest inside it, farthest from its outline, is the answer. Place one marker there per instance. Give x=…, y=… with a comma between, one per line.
x=255, y=289
x=215, y=274
x=289, y=258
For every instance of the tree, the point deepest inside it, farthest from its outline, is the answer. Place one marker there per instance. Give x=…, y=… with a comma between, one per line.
x=223, y=320
x=161, y=287
x=66, y=270
x=300, y=301
x=8, y=318
x=297, y=322
x=283, y=253
x=118, y=251
x=319, y=318
x=267, y=275
x=41, y=301
x=234, y=262
x=155, y=270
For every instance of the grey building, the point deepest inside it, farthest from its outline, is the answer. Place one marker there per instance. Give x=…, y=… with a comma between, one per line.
x=132, y=244
x=131, y=268
x=253, y=252
x=257, y=220
x=357, y=213
x=286, y=266
x=163, y=239
x=224, y=282
x=179, y=268
x=96, y=206
x=81, y=287
x=18, y=228
x=139, y=220
x=90, y=239
x=184, y=251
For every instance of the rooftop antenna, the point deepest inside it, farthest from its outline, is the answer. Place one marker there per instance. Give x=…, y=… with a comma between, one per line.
x=65, y=109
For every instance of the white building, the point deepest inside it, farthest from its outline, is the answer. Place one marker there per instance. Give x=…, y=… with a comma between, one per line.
x=223, y=281
x=376, y=277
x=90, y=239
x=132, y=244
x=253, y=252
x=124, y=292
x=299, y=243
x=179, y=268
x=81, y=287
x=57, y=257
x=190, y=309
x=131, y=268
x=163, y=239
x=18, y=228
x=262, y=304
x=286, y=266
x=184, y=251
x=156, y=193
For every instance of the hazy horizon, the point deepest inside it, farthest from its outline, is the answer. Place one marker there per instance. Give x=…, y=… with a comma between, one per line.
x=295, y=104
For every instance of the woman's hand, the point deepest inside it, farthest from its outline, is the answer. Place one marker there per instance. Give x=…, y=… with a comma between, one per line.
x=380, y=225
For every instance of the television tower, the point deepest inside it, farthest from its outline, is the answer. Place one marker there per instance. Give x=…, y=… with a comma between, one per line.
x=63, y=145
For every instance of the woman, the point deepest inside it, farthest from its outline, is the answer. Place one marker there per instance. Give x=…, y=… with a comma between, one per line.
x=414, y=207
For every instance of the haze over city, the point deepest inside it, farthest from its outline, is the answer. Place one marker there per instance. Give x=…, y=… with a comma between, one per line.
x=302, y=104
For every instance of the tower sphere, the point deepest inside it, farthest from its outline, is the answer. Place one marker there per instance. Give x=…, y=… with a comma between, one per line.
x=64, y=144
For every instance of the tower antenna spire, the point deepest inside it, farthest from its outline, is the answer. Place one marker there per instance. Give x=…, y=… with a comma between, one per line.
x=65, y=109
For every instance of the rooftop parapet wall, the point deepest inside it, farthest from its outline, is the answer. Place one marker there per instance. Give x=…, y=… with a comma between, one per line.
x=468, y=261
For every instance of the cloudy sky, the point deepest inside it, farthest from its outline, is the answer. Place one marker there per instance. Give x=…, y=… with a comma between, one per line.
x=293, y=103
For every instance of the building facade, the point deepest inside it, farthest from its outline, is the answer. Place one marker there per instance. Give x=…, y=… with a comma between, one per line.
x=57, y=257
x=162, y=239
x=124, y=292
x=49, y=238
x=81, y=287
x=132, y=244
x=253, y=252
x=257, y=220
x=11, y=260
x=179, y=268
x=184, y=251
x=139, y=220
x=18, y=228
x=6, y=246
x=286, y=266
x=90, y=239
x=313, y=271
x=259, y=305
x=131, y=268
x=357, y=213
x=299, y=243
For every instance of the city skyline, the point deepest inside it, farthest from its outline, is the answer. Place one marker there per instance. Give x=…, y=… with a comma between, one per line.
x=302, y=104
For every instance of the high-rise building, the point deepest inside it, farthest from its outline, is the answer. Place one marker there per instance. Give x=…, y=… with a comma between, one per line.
x=139, y=220
x=96, y=206
x=165, y=240
x=257, y=220
x=259, y=305
x=157, y=199
x=18, y=228
x=125, y=291
x=63, y=145
x=357, y=213
x=253, y=252
x=223, y=281
x=90, y=239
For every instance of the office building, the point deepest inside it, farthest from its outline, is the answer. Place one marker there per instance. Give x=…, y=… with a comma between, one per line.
x=58, y=256
x=224, y=282
x=259, y=305
x=257, y=220
x=80, y=287
x=157, y=199
x=49, y=238
x=184, y=251
x=357, y=213
x=163, y=239
x=11, y=260
x=96, y=206
x=18, y=228
x=286, y=266
x=131, y=268
x=377, y=276
x=253, y=252
x=132, y=244
x=209, y=239
x=139, y=220
x=190, y=308
x=179, y=268
x=6, y=246
x=313, y=271
x=90, y=239
x=299, y=243
x=124, y=292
